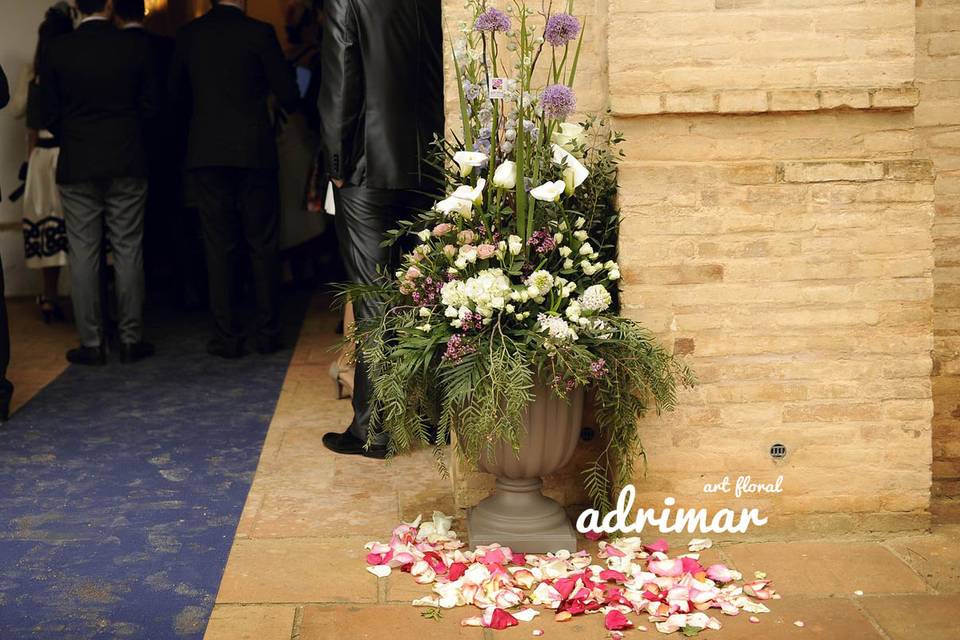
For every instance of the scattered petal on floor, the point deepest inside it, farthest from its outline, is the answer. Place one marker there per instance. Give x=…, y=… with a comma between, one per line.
x=675, y=593
x=798, y=623
x=699, y=544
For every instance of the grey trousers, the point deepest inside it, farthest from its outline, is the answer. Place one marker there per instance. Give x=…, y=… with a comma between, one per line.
x=362, y=220
x=118, y=204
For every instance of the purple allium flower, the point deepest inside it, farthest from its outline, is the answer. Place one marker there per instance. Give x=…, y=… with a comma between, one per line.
x=492, y=20
x=558, y=101
x=561, y=29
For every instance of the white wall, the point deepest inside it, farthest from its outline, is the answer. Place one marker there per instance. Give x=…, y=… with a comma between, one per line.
x=19, y=20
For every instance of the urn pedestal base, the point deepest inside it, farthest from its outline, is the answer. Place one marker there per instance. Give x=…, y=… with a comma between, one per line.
x=518, y=516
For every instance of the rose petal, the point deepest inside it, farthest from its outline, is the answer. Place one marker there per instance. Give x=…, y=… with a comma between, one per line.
x=381, y=571
x=616, y=621
x=660, y=545
x=699, y=544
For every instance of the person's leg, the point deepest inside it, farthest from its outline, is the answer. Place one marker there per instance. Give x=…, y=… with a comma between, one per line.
x=363, y=218
x=258, y=201
x=126, y=199
x=83, y=209
x=213, y=191
x=51, y=283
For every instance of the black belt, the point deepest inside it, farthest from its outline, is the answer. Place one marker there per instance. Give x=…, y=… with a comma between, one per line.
x=48, y=143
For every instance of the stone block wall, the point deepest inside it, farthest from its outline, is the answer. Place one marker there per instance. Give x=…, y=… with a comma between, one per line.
x=779, y=208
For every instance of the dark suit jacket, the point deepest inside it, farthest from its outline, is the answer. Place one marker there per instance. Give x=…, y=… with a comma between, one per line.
x=96, y=90
x=4, y=89
x=381, y=100
x=161, y=134
x=226, y=65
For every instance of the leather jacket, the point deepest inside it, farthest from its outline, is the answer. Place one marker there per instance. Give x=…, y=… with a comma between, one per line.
x=381, y=97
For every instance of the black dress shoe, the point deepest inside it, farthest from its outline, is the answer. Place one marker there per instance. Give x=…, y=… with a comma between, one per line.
x=219, y=348
x=88, y=356
x=130, y=353
x=6, y=396
x=350, y=445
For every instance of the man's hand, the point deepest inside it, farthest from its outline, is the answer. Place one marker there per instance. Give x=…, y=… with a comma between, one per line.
x=337, y=182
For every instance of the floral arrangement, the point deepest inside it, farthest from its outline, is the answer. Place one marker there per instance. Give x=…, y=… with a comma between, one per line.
x=512, y=277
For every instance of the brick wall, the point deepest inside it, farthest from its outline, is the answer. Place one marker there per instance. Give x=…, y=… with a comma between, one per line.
x=778, y=210
x=938, y=128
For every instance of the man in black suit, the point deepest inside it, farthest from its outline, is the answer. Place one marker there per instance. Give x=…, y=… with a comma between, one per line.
x=97, y=90
x=6, y=387
x=162, y=224
x=229, y=64
x=381, y=104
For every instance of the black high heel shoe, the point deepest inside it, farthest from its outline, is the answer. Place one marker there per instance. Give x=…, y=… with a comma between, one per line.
x=50, y=310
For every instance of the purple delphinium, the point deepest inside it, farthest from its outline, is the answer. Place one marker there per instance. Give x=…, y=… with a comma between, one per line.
x=558, y=101
x=562, y=28
x=492, y=20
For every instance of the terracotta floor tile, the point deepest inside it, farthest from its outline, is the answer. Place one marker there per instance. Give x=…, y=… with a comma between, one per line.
x=580, y=628
x=823, y=618
x=383, y=622
x=936, y=557
x=916, y=617
x=250, y=622
x=330, y=512
x=265, y=571
x=826, y=568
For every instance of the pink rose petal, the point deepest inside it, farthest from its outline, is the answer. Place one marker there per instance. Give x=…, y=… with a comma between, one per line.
x=616, y=621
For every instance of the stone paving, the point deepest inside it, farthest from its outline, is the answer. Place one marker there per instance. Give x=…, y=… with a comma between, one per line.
x=296, y=570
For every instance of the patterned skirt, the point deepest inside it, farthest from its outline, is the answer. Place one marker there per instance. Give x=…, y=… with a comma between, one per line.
x=44, y=230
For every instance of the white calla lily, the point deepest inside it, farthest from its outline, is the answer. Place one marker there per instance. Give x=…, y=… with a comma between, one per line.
x=505, y=177
x=574, y=173
x=469, y=160
x=570, y=136
x=549, y=191
x=462, y=200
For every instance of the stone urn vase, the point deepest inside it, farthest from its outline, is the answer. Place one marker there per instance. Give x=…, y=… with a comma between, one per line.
x=518, y=515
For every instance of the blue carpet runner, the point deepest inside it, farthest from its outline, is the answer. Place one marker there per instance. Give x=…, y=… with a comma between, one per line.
x=121, y=488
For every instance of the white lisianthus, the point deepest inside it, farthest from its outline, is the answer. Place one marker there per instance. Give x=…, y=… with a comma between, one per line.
x=424, y=235
x=568, y=264
x=573, y=311
x=558, y=238
x=424, y=312
x=509, y=308
x=424, y=250
x=614, y=274
x=469, y=160
x=468, y=253
x=574, y=173
x=570, y=136
x=565, y=252
x=516, y=245
x=580, y=235
x=539, y=283
x=586, y=249
x=589, y=268
x=549, y=191
x=596, y=298
x=557, y=328
x=425, y=327
x=505, y=177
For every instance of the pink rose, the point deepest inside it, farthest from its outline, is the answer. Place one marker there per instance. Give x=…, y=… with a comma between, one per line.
x=413, y=273
x=442, y=229
x=450, y=251
x=486, y=251
x=466, y=237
